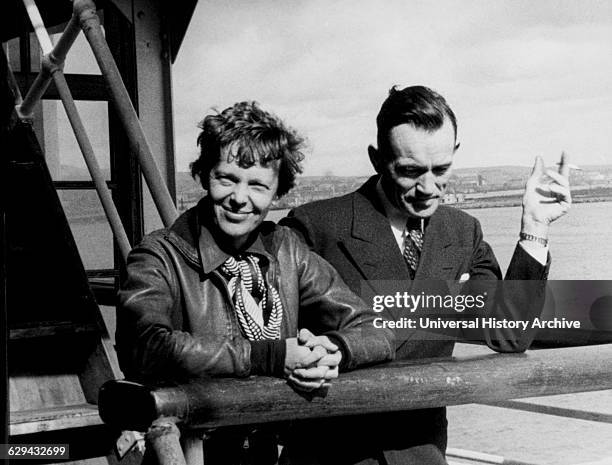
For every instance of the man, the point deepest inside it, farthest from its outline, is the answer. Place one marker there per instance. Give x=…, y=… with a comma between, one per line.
x=394, y=228
x=223, y=293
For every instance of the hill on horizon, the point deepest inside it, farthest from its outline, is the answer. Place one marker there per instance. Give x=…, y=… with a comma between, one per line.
x=184, y=178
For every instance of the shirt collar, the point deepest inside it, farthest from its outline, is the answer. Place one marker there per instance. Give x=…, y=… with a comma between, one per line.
x=397, y=217
x=212, y=255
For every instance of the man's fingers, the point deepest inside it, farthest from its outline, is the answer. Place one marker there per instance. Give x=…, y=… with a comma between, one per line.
x=553, y=190
x=564, y=167
x=558, y=178
x=561, y=193
x=538, y=167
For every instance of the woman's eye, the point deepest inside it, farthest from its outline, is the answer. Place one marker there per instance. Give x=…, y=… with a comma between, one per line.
x=225, y=181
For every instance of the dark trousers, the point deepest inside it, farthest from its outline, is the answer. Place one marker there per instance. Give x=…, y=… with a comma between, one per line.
x=238, y=446
x=397, y=438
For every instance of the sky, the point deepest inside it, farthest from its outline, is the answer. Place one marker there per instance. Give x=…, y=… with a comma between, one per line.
x=524, y=77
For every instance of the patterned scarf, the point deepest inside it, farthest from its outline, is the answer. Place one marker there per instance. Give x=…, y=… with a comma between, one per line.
x=253, y=298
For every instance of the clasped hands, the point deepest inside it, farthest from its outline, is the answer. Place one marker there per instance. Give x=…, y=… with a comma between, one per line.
x=311, y=361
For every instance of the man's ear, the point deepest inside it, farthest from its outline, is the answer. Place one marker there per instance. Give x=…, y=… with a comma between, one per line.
x=374, y=155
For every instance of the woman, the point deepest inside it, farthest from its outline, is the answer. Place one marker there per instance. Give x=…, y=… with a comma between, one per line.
x=223, y=293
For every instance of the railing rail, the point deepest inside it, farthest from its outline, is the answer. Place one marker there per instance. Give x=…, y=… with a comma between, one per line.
x=214, y=403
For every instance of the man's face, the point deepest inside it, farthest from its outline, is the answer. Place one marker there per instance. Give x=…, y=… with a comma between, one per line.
x=241, y=198
x=416, y=171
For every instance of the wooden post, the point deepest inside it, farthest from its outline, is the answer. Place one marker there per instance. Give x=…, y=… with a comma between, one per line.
x=193, y=448
x=163, y=438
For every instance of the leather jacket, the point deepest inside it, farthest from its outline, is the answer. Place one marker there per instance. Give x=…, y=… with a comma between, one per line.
x=176, y=318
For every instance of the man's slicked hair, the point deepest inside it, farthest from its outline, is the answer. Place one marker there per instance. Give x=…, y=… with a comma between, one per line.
x=249, y=135
x=419, y=106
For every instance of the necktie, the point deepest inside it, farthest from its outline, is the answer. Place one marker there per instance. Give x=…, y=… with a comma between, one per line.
x=253, y=299
x=413, y=244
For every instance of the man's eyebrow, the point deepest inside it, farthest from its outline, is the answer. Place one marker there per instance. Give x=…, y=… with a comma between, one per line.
x=407, y=162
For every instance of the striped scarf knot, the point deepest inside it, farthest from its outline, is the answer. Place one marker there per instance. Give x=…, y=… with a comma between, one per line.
x=253, y=299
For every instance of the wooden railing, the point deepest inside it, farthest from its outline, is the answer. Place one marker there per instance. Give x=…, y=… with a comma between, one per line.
x=213, y=403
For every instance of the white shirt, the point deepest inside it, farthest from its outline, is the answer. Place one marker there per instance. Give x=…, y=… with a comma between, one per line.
x=398, y=219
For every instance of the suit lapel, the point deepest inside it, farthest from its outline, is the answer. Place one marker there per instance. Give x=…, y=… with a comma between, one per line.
x=441, y=255
x=371, y=244
x=372, y=247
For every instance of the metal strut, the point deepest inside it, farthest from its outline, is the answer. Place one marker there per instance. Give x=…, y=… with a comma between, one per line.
x=85, y=17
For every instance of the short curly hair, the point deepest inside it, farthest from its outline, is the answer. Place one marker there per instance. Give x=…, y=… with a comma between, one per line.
x=249, y=135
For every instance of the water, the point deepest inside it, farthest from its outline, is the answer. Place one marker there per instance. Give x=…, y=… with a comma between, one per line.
x=580, y=242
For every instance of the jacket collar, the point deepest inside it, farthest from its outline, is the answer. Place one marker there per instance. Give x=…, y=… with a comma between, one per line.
x=192, y=234
x=369, y=217
x=372, y=244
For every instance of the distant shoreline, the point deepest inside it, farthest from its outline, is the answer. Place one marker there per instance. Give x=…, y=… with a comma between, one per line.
x=514, y=202
x=517, y=203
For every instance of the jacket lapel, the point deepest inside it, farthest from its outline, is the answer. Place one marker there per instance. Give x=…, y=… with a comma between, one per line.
x=373, y=249
x=371, y=245
x=440, y=256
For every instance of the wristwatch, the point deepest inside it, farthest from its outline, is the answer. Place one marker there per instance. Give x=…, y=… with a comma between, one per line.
x=531, y=237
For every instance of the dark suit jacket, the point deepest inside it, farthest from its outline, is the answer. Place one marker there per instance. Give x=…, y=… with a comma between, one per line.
x=354, y=235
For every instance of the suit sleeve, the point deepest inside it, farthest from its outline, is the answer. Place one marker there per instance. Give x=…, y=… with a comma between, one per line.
x=519, y=297
x=300, y=223
x=328, y=306
x=150, y=344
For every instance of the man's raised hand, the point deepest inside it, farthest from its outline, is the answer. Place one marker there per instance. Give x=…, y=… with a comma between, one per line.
x=547, y=197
